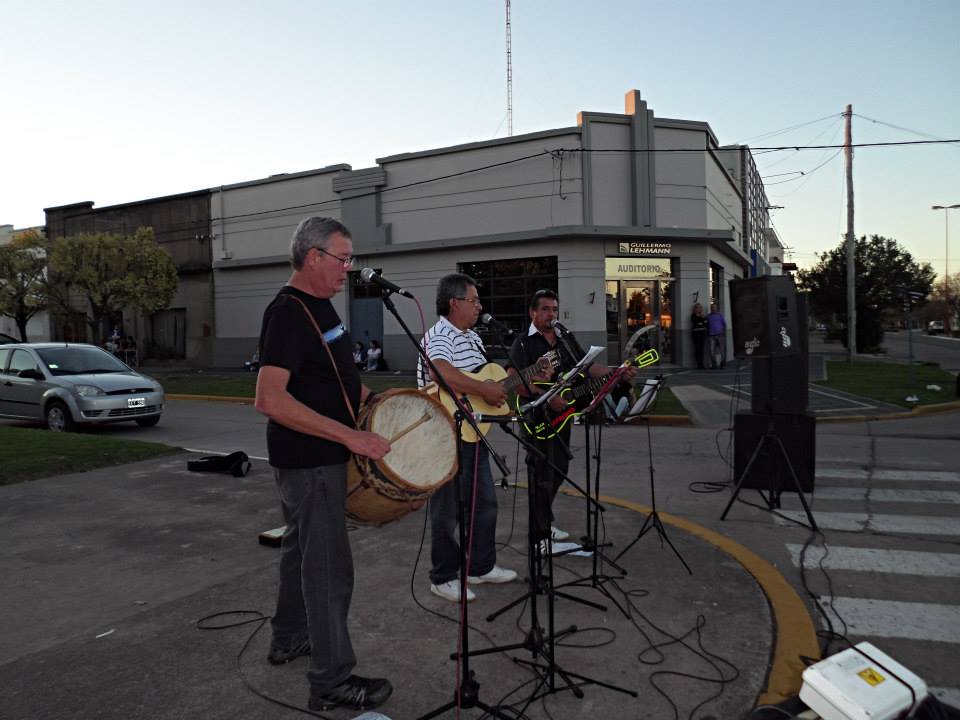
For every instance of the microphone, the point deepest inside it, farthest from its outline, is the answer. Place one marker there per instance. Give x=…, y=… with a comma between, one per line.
x=370, y=275
x=491, y=321
x=566, y=337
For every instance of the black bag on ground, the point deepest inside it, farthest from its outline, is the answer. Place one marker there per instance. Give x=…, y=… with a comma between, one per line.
x=236, y=463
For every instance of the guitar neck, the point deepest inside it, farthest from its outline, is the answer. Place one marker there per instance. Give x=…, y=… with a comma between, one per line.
x=524, y=376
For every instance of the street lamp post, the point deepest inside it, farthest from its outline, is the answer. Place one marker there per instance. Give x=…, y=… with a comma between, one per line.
x=948, y=312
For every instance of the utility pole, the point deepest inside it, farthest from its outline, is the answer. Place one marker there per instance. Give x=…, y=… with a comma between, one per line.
x=851, y=242
x=509, y=77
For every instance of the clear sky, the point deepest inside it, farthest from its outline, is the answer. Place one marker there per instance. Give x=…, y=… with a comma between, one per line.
x=116, y=101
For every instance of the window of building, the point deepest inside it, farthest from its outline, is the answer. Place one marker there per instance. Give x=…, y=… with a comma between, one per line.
x=361, y=289
x=716, y=285
x=505, y=286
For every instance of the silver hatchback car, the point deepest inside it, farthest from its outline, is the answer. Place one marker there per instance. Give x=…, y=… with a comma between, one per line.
x=65, y=384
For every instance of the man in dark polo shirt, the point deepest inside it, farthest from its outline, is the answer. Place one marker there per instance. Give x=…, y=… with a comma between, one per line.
x=541, y=338
x=310, y=435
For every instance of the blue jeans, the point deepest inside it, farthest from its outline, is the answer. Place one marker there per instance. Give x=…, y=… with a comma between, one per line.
x=718, y=348
x=316, y=572
x=444, y=537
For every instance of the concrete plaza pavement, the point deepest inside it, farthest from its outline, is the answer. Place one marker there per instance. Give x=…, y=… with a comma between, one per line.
x=107, y=573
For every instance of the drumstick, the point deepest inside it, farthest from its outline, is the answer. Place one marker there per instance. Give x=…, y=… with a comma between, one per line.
x=411, y=427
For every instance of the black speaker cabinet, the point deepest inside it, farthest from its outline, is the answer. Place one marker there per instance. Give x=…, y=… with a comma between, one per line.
x=782, y=384
x=765, y=317
x=769, y=471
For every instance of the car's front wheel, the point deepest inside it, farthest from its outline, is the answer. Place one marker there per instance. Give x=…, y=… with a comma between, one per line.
x=148, y=421
x=58, y=417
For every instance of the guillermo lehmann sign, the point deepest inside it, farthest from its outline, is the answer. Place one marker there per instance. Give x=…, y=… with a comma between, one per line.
x=645, y=248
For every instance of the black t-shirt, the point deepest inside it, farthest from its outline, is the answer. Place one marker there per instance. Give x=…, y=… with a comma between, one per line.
x=289, y=340
x=527, y=349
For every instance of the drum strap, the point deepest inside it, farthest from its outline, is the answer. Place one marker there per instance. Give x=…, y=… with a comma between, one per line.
x=326, y=346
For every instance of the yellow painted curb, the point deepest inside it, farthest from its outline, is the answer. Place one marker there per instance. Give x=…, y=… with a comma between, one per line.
x=906, y=414
x=215, y=398
x=795, y=634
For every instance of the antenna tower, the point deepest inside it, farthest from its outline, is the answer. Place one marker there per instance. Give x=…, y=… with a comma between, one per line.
x=509, y=77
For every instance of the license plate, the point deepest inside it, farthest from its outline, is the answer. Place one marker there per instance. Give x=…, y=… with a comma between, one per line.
x=136, y=402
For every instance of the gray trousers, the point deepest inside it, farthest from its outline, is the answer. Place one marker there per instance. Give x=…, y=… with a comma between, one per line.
x=316, y=572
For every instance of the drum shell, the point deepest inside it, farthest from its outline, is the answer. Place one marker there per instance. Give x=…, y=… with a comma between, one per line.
x=376, y=493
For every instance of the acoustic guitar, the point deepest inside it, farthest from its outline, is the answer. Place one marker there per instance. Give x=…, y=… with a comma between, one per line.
x=578, y=397
x=494, y=373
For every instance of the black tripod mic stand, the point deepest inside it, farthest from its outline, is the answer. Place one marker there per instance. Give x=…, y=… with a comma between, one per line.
x=466, y=693
x=542, y=644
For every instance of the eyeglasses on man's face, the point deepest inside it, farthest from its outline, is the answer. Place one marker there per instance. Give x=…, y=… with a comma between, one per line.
x=347, y=262
x=475, y=301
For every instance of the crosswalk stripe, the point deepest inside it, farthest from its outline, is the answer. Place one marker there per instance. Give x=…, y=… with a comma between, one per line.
x=825, y=463
x=906, y=562
x=888, y=495
x=891, y=618
x=906, y=524
x=947, y=695
x=889, y=474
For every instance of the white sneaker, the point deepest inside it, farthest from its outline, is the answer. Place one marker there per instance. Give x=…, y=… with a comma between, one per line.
x=450, y=590
x=497, y=575
x=556, y=534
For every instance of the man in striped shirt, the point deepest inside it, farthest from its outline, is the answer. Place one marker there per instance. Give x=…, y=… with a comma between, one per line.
x=454, y=348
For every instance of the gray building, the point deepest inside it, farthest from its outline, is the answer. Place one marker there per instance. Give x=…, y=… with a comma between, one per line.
x=632, y=218
x=181, y=224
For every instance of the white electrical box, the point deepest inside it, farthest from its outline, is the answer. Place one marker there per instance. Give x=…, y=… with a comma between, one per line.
x=849, y=686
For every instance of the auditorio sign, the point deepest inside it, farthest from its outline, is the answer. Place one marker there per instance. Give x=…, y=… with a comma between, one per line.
x=629, y=268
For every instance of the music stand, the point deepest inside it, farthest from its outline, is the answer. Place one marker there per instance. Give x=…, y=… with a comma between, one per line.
x=648, y=396
x=590, y=542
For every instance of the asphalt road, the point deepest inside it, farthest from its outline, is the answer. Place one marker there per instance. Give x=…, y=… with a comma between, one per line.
x=926, y=348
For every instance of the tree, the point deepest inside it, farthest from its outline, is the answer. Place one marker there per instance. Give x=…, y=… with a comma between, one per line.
x=947, y=290
x=22, y=278
x=110, y=272
x=882, y=268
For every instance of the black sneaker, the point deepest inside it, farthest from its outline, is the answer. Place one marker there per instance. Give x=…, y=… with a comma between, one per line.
x=279, y=656
x=355, y=693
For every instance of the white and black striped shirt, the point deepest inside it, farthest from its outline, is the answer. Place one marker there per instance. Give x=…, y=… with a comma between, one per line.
x=461, y=348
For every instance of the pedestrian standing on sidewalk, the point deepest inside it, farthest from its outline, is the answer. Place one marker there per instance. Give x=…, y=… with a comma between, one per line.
x=698, y=326
x=717, y=329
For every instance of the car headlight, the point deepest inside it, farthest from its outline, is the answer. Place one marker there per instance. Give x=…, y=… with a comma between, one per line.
x=88, y=390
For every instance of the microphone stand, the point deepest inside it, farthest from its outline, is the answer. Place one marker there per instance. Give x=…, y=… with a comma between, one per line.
x=466, y=692
x=542, y=644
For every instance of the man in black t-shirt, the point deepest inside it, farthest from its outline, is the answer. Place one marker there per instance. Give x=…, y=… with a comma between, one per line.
x=304, y=387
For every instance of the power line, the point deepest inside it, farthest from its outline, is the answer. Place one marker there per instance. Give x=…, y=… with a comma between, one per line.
x=792, y=127
x=898, y=127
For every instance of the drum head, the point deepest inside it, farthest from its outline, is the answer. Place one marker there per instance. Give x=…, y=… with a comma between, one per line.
x=425, y=456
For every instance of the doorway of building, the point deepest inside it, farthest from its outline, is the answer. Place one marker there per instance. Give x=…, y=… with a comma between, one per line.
x=366, y=312
x=634, y=304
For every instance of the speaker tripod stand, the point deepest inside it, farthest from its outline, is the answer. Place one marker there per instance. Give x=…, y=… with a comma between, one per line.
x=772, y=498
